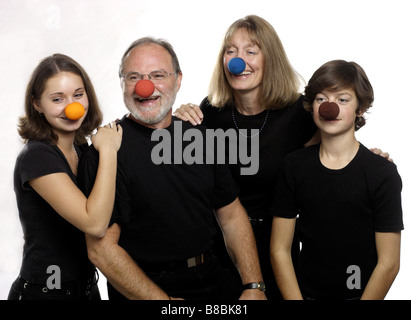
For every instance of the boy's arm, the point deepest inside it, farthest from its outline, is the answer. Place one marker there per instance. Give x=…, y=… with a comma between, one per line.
x=388, y=250
x=282, y=234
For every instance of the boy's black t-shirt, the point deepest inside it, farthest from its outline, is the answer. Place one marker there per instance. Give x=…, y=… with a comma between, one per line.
x=166, y=211
x=339, y=213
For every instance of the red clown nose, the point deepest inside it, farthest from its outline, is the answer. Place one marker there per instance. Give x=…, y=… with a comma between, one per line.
x=329, y=110
x=144, y=88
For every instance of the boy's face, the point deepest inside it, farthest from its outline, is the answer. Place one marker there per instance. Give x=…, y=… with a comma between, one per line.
x=345, y=121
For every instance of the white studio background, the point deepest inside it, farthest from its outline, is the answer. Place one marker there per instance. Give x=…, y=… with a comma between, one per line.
x=373, y=33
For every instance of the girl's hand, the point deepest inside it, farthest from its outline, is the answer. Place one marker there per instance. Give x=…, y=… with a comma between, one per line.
x=109, y=136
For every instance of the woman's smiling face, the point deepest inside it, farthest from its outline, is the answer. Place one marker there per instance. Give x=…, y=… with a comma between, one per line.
x=240, y=45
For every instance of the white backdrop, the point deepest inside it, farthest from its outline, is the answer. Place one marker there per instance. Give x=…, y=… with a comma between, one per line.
x=373, y=33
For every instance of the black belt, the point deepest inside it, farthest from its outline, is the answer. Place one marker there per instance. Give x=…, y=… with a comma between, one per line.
x=75, y=288
x=173, y=265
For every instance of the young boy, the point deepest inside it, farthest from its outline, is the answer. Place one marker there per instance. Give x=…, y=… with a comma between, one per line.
x=348, y=200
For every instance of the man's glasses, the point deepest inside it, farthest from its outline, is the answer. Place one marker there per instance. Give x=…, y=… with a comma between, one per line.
x=155, y=76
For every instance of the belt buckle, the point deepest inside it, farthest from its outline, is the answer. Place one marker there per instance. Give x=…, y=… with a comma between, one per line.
x=191, y=262
x=195, y=261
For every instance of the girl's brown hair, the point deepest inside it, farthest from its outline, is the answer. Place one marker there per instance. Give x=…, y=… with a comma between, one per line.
x=280, y=84
x=33, y=125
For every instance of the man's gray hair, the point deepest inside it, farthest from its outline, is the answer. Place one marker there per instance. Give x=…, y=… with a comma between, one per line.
x=165, y=44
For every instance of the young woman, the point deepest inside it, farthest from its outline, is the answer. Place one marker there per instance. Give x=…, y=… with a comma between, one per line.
x=53, y=212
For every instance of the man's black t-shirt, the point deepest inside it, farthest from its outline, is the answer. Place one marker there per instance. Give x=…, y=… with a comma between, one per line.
x=165, y=210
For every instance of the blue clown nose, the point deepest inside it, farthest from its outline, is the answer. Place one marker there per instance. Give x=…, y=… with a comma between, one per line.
x=236, y=65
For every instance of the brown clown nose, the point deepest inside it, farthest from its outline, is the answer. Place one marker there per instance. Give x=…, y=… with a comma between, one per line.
x=329, y=110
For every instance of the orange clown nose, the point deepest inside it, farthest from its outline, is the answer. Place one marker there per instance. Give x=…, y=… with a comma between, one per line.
x=74, y=111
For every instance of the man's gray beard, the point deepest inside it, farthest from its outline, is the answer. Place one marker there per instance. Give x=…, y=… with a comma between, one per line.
x=149, y=119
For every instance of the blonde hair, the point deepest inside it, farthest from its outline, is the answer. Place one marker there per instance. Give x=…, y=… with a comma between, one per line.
x=280, y=84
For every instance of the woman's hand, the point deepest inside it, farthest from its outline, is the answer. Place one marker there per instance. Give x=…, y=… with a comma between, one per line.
x=385, y=155
x=190, y=112
x=109, y=136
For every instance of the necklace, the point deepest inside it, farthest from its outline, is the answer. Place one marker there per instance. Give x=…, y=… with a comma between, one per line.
x=256, y=134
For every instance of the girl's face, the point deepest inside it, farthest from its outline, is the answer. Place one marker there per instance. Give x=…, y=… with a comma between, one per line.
x=347, y=102
x=61, y=90
x=241, y=46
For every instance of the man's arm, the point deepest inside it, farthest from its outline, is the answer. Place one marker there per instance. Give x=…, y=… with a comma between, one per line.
x=388, y=251
x=120, y=269
x=281, y=241
x=240, y=243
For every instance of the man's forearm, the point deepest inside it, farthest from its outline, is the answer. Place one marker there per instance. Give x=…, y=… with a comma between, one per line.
x=122, y=272
x=240, y=241
x=242, y=247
